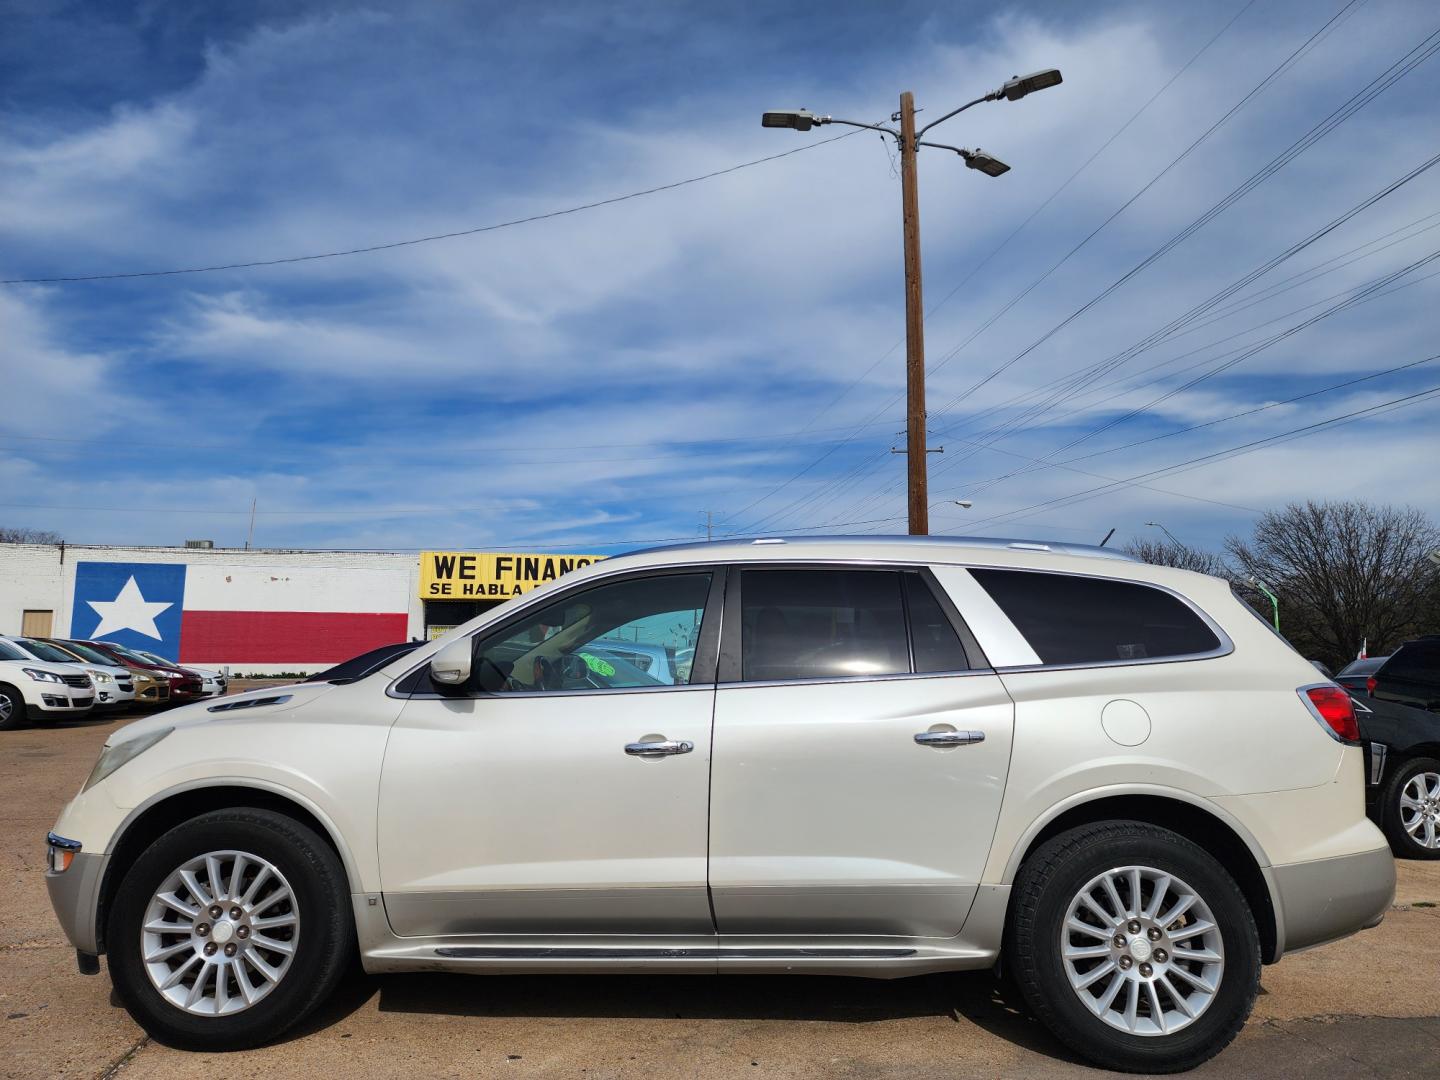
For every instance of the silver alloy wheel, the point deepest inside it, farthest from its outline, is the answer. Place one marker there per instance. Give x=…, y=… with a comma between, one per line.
x=1142, y=950
x=220, y=933
x=1420, y=809
x=7, y=706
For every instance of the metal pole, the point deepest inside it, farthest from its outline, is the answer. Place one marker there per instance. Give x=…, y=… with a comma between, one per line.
x=250, y=536
x=914, y=325
x=1274, y=600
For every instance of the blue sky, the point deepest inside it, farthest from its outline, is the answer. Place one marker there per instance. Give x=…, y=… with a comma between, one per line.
x=734, y=345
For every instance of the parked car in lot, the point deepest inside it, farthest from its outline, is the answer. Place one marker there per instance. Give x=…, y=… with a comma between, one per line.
x=150, y=688
x=889, y=756
x=183, y=686
x=212, y=683
x=35, y=690
x=114, y=688
x=1402, y=769
x=1356, y=674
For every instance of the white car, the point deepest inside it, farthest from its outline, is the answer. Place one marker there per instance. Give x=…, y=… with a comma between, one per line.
x=114, y=685
x=32, y=689
x=890, y=756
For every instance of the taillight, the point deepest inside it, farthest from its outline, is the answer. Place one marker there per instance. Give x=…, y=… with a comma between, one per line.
x=1333, y=706
x=1370, y=685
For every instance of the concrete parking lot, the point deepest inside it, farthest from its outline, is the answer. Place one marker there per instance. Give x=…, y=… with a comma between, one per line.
x=1368, y=1006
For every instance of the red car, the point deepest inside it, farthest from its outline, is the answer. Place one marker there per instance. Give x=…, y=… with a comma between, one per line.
x=184, y=685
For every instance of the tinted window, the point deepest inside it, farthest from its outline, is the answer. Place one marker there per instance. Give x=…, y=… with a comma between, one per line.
x=816, y=624
x=9, y=652
x=1082, y=620
x=933, y=638
x=1417, y=660
x=45, y=651
x=620, y=636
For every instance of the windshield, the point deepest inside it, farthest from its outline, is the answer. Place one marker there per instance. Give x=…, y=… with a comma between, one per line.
x=10, y=652
x=132, y=656
x=45, y=651
x=87, y=653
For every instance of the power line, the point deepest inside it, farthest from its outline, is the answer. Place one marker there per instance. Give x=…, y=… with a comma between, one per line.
x=426, y=239
x=1278, y=71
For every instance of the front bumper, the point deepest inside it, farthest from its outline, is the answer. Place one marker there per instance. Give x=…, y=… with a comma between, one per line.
x=1327, y=899
x=75, y=896
x=52, y=704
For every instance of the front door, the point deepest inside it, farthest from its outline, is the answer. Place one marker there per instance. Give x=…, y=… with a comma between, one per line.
x=859, y=757
x=565, y=792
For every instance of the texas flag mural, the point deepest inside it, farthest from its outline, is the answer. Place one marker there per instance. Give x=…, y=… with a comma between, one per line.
x=238, y=615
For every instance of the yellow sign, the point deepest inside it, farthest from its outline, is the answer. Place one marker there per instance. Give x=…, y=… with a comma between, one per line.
x=472, y=575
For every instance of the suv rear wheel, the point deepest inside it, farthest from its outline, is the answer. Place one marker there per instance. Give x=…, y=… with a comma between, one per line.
x=1134, y=946
x=1410, y=811
x=229, y=929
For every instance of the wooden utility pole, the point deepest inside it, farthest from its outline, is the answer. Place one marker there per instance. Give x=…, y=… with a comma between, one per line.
x=915, y=449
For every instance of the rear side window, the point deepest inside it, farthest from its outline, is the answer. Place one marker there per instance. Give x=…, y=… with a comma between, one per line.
x=1082, y=620
x=1417, y=661
x=817, y=624
x=936, y=645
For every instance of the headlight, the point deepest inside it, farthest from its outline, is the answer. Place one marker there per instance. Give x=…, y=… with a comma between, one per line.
x=100, y=676
x=141, y=678
x=42, y=676
x=112, y=757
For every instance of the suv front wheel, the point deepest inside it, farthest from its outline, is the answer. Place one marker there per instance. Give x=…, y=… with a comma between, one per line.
x=229, y=929
x=1134, y=946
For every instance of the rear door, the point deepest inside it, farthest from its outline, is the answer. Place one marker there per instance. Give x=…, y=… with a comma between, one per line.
x=860, y=755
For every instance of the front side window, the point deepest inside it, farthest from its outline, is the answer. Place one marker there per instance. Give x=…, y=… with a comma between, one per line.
x=626, y=635
x=1084, y=620
x=818, y=624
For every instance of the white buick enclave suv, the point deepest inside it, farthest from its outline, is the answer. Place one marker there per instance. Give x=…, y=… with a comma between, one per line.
x=880, y=757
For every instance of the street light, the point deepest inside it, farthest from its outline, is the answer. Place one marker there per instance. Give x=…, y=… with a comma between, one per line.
x=1167, y=532
x=1274, y=600
x=1021, y=85
x=799, y=119
x=909, y=141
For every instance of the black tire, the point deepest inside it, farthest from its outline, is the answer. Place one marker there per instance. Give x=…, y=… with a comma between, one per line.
x=1402, y=843
x=323, y=949
x=1050, y=880
x=13, y=716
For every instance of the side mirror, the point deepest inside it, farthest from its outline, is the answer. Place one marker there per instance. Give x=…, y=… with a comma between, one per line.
x=451, y=665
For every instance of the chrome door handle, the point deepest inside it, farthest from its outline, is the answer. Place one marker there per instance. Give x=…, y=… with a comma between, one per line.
x=949, y=738
x=659, y=749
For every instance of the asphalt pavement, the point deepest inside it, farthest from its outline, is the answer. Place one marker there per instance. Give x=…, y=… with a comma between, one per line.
x=1366, y=1006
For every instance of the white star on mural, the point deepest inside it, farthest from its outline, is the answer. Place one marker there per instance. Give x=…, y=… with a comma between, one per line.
x=128, y=611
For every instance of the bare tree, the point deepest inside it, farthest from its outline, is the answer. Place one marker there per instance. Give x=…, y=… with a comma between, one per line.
x=1345, y=572
x=1182, y=556
x=17, y=535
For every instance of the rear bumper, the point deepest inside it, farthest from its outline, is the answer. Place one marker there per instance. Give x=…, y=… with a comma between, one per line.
x=1328, y=899
x=75, y=896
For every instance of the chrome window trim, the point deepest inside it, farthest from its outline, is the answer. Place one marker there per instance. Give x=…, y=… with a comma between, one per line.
x=1225, y=648
x=896, y=677
x=511, y=695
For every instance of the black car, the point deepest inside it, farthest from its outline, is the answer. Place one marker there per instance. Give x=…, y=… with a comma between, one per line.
x=1402, y=761
x=1410, y=675
x=1356, y=674
x=357, y=667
